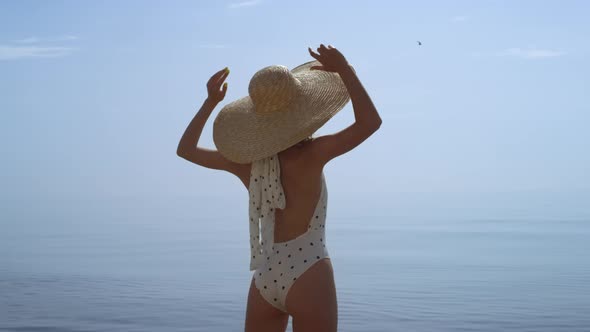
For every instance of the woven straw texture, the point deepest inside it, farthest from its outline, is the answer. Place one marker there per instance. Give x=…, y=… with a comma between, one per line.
x=282, y=109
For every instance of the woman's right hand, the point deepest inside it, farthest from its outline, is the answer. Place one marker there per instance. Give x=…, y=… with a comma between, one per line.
x=330, y=58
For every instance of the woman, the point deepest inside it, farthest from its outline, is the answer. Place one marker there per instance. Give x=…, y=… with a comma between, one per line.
x=265, y=139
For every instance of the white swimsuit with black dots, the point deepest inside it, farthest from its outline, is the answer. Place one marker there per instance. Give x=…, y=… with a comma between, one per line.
x=279, y=264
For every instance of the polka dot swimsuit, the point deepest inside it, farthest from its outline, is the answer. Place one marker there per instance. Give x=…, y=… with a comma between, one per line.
x=278, y=265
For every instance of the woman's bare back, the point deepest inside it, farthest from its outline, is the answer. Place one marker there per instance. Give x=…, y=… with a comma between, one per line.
x=302, y=183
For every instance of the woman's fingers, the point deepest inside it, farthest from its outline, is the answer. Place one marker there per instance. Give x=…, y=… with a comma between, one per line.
x=220, y=72
x=218, y=75
x=315, y=55
x=224, y=73
x=316, y=68
x=214, y=89
x=223, y=76
x=217, y=79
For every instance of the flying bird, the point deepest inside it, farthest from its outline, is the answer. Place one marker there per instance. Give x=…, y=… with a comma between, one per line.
x=419, y=43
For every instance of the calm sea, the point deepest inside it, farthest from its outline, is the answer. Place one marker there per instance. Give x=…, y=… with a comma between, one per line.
x=99, y=273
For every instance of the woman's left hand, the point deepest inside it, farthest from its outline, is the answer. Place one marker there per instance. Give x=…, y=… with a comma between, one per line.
x=214, y=85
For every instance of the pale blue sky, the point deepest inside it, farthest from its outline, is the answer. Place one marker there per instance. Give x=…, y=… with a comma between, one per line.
x=489, y=117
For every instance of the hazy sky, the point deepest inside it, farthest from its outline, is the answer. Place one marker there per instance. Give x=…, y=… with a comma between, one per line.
x=490, y=113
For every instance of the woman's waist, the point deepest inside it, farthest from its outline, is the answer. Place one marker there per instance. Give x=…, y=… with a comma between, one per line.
x=285, y=233
x=312, y=237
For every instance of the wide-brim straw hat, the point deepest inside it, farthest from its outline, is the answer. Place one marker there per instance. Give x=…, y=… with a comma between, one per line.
x=282, y=108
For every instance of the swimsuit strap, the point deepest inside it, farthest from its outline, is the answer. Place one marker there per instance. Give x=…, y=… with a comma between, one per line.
x=265, y=194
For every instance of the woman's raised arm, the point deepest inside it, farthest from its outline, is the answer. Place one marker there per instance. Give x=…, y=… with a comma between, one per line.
x=367, y=120
x=187, y=147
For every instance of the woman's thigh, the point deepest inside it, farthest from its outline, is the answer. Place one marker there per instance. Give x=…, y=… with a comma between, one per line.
x=312, y=299
x=261, y=316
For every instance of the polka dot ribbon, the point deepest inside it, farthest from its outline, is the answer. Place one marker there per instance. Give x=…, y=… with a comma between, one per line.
x=266, y=195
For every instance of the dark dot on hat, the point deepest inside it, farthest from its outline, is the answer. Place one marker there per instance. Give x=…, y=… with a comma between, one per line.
x=311, y=243
x=275, y=280
x=273, y=196
x=281, y=194
x=270, y=268
x=264, y=189
x=281, y=274
x=283, y=287
x=255, y=180
x=316, y=217
x=260, y=273
x=279, y=262
x=300, y=249
x=262, y=216
x=253, y=256
x=295, y=278
x=318, y=257
x=264, y=286
x=270, y=186
x=305, y=261
x=321, y=240
x=267, y=258
x=289, y=255
x=276, y=180
x=277, y=251
x=271, y=158
x=292, y=266
x=275, y=298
